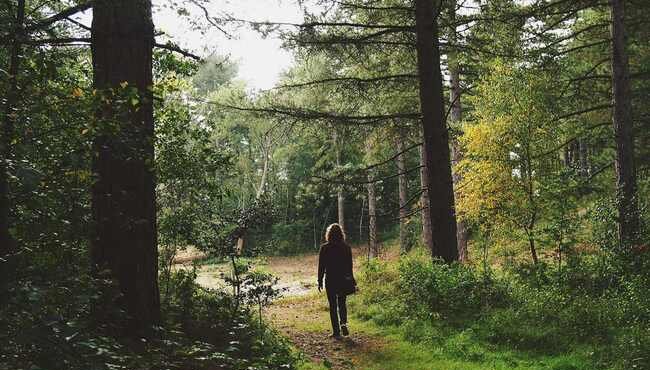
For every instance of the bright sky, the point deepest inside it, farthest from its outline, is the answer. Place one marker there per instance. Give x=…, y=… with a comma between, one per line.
x=261, y=60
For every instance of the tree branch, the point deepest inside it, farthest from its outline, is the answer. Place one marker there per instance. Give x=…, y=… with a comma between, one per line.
x=60, y=16
x=316, y=115
x=177, y=49
x=348, y=79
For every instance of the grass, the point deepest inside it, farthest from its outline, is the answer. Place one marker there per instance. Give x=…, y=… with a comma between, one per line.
x=382, y=344
x=457, y=351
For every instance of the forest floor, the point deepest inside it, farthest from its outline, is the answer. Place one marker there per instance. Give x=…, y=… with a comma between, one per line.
x=302, y=317
x=302, y=313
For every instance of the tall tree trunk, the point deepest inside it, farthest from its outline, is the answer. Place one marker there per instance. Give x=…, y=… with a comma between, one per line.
x=567, y=156
x=436, y=136
x=267, y=152
x=363, y=208
x=340, y=201
x=462, y=234
x=265, y=171
x=403, y=194
x=533, y=250
x=628, y=222
x=528, y=172
x=123, y=195
x=427, y=231
x=340, y=196
x=584, y=157
x=9, y=122
x=373, y=244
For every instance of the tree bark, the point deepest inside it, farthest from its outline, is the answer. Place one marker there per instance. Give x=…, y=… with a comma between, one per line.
x=9, y=122
x=403, y=194
x=363, y=208
x=527, y=173
x=340, y=196
x=533, y=250
x=584, y=157
x=628, y=215
x=123, y=195
x=435, y=134
x=427, y=232
x=462, y=233
x=372, y=221
x=267, y=152
x=373, y=245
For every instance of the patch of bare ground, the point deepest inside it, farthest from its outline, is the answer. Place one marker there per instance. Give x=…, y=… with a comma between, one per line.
x=188, y=255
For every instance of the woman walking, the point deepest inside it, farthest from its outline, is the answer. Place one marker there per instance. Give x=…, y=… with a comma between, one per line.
x=335, y=264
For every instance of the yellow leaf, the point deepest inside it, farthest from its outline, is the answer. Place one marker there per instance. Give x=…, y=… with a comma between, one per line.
x=77, y=92
x=124, y=84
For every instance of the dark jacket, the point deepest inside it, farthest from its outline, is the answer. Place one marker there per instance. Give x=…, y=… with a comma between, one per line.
x=334, y=262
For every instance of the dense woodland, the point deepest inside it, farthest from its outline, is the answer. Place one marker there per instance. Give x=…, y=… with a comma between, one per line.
x=501, y=149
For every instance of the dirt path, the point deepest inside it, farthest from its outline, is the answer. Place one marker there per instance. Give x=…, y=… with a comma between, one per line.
x=302, y=314
x=297, y=274
x=305, y=322
x=304, y=318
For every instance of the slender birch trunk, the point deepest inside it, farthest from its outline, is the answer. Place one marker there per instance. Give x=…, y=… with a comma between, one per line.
x=462, y=233
x=340, y=196
x=267, y=153
x=403, y=194
x=427, y=231
x=373, y=244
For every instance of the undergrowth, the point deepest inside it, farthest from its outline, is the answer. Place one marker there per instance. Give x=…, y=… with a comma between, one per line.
x=47, y=327
x=586, y=316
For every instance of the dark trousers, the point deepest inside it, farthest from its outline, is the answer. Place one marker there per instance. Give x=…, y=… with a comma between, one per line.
x=337, y=301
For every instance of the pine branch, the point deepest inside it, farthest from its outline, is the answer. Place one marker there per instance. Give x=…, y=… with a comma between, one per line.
x=177, y=49
x=306, y=114
x=60, y=16
x=366, y=182
x=349, y=79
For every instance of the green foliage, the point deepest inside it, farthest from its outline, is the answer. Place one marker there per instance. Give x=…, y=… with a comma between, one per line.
x=47, y=327
x=448, y=290
x=290, y=239
x=537, y=170
x=260, y=290
x=213, y=73
x=590, y=305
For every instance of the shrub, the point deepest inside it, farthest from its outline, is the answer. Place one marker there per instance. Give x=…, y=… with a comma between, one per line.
x=449, y=290
x=291, y=239
x=46, y=327
x=631, y=349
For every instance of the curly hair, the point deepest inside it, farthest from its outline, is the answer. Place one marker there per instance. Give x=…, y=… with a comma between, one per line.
x=335, y=234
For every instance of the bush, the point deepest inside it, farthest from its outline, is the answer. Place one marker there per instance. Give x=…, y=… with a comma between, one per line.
x=631, y=349
x=291, y=239
x=380, y=295
x=47, y=327
x=226, y=329
x=449, y=290
x=593, y=306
